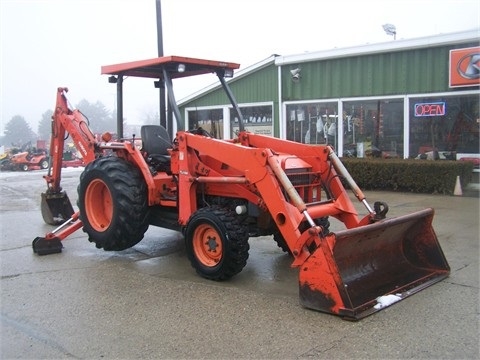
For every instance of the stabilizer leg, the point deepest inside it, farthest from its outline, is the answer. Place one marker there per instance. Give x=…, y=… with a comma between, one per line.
x=52, y=242
x=42, y=246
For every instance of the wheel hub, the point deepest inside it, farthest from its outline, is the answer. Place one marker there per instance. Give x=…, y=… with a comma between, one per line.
x=211, y=244
x=207, y=245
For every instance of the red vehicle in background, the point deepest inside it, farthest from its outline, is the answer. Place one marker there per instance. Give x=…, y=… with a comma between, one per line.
x=71, y=159
x=27, y=160
x=37, y=160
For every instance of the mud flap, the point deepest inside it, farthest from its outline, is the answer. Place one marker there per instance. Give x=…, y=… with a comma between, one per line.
x=56, y=208
x=356, y=272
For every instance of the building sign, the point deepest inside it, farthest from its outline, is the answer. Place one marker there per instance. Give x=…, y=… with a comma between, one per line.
x=465, y=67
x=430, y=109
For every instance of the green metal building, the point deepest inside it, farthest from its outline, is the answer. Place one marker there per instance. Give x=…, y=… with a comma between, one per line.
x=403, y=98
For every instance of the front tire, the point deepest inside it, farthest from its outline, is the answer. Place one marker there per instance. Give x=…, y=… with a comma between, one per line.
x=216, y=243
x=282, y=243
x=112, y=199
x=44, y=164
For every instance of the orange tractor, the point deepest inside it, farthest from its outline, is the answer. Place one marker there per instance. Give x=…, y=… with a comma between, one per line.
x=221, y=193
x=26, y=160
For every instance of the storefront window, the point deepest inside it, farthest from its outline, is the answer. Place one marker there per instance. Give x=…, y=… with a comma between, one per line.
x=373, y=128
x=258, y=120
x=313, y=123
x=210, y=120
x=441, y=127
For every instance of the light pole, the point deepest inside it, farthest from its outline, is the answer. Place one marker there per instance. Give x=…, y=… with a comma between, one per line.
x=390, y=30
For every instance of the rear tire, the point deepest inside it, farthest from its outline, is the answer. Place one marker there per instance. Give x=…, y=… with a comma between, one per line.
x=216, y=243
x=112, y=199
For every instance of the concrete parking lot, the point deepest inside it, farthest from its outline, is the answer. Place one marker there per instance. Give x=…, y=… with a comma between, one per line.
x=147, y=302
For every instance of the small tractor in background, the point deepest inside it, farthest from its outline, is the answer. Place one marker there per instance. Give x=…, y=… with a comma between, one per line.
x=222, y=193
x=31, y=159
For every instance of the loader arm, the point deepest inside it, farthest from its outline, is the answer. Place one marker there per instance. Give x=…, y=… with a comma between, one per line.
x=257, y=174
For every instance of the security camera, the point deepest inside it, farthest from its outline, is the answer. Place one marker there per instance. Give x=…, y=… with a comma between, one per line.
x=295, y=74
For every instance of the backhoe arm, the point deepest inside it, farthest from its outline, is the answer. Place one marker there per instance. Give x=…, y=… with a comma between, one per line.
x=55, y=204
x=72, y=122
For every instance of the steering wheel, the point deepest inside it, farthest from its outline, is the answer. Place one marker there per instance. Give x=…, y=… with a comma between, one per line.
x=200, y=131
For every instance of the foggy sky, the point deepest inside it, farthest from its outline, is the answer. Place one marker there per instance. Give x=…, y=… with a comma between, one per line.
x=45, y=44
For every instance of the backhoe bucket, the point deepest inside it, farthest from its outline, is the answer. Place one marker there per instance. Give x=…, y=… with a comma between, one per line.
x=56, y=208
x=356, y=272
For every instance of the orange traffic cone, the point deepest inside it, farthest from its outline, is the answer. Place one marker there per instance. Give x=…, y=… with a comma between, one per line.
x=458, y=188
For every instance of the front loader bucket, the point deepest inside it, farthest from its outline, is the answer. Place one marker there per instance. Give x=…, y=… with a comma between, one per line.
x=356, y=272
x=56, y=208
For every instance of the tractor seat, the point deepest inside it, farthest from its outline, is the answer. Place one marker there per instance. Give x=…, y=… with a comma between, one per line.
x=156, y=142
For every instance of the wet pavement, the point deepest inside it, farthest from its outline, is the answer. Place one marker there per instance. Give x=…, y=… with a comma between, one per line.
x=147, y=301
